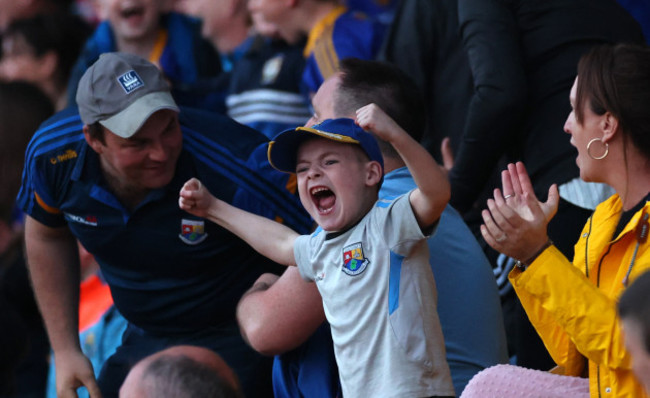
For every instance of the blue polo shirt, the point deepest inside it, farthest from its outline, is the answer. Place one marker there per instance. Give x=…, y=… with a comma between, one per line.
x=169, y=271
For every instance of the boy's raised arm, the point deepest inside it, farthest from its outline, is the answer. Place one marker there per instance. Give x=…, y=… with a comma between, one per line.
x=433, y=192
x=267, y=237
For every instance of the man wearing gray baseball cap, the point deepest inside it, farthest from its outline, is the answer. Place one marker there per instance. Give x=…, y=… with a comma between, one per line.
x=108, y=174
x=112, y=93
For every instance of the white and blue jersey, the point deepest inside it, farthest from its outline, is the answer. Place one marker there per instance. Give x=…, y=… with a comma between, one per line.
x=169, y=271
x=379, y=296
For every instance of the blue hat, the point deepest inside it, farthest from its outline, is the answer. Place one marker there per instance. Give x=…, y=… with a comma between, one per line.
x=283, y=149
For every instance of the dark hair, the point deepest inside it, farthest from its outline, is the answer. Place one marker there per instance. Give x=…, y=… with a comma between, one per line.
x=96, y=132
x=635, y=304
x=178, y=376
x=62, y=33
x=616, y=79
x=363, y=82
x=23, y=107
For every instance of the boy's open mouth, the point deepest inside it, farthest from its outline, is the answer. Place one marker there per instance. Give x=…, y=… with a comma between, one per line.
x=323, y=198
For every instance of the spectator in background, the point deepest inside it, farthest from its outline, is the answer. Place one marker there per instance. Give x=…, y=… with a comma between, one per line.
x=89, y=10
x=382, y=10
x=333, y=33
x=11, y=10
x=24, y=347
x=42, y=50
x=167, y=39
x=263, y=79
x=423, y=41
x=634, y=310
x=181, y=372
x=227, y=25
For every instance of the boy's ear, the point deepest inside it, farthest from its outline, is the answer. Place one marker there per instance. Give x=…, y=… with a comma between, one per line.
x=374, y=173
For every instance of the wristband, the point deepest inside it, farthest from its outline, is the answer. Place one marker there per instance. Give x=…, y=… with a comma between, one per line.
x=522, y=265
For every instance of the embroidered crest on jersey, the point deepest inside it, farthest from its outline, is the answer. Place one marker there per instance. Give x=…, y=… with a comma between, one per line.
x=354, y=261
x=272, y=69
x=130, y=81
x=192, y=231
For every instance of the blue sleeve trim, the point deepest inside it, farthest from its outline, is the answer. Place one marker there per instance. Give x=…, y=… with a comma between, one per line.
x=46, y=139
x=396, y=262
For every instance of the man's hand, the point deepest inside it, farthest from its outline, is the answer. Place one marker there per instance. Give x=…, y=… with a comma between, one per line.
x=74, y=370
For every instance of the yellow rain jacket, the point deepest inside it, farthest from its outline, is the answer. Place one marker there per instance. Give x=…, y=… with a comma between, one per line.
x=573, y=306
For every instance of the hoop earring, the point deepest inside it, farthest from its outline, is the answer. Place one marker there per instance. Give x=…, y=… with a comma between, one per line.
x=603, y=156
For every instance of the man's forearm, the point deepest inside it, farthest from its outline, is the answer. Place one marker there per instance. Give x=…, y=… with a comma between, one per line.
x=54, y=270
x=278, y=314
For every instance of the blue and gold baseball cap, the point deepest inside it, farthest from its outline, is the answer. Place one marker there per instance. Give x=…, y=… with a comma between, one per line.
x=283, y=150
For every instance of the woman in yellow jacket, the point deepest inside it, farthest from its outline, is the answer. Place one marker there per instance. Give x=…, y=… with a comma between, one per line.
x=573, y=306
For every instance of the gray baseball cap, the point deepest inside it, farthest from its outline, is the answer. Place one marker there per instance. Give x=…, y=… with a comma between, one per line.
x=121, y=91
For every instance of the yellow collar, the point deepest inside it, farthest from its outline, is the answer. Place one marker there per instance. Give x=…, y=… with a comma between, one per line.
x=159, y=47
x=317, y=30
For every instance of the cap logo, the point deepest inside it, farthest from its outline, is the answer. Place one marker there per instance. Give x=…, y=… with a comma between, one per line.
x=130, y=81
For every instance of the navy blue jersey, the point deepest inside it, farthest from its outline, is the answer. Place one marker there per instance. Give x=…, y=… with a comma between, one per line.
x=341, y=34
x=265, y=91
x=168, y=270
x=382, y=10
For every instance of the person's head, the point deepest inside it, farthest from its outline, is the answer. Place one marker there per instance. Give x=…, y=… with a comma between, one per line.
x=11, y=10
x=264, y=27
x=224, y=23
x=361, y=82
x=292, y=18
x=131, y=121
x=634, y=310
x=610, y=100
x=181, y=372
x=42, y=50
x=339, y=168
x=133, y=20
x=23, y=107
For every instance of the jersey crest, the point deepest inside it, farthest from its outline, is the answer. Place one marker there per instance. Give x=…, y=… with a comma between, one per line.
x=354, y=261
x=192, y=231
x=272, y=69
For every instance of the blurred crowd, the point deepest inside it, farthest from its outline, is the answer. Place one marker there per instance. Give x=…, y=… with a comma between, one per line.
x=486, y=83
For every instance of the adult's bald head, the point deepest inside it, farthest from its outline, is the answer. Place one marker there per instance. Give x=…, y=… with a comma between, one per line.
x=181, y=372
